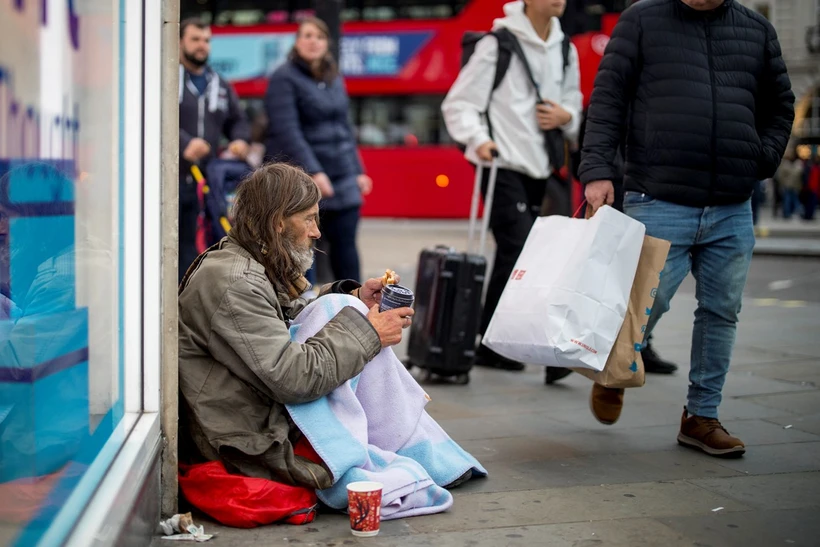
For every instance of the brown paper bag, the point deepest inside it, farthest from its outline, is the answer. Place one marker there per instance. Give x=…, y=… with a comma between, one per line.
x=624, y=367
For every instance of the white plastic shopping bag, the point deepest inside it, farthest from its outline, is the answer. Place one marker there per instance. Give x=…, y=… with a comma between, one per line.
x=566, y=299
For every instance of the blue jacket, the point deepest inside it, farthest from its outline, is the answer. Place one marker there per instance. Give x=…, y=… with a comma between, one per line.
x=308, y=126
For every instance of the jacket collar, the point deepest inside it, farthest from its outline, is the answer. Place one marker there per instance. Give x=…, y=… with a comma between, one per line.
x=692, y=12
x=298, y=284
x=211, y=91
x=304, y=67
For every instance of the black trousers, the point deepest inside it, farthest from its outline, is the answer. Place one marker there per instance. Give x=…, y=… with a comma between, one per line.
x=188, y=213
x=516, y=205
x=339, y=230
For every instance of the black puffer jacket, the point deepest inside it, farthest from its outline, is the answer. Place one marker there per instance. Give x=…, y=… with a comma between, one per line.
x=711, y=103
x=309, y=126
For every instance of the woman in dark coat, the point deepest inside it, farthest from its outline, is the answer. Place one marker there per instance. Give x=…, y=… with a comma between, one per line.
x=307, y=108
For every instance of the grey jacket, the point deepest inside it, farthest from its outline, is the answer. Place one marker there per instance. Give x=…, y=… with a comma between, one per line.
x=238, y=366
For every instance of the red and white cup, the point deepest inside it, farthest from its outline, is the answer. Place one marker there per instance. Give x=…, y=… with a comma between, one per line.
x=364, y=504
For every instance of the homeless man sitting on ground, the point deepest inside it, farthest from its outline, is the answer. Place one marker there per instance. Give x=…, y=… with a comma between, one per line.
x=253, y=380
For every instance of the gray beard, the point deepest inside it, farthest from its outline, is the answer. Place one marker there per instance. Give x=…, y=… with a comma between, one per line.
x=302, y=257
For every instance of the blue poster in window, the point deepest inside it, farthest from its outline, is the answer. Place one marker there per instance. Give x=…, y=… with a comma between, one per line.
x=379, y=54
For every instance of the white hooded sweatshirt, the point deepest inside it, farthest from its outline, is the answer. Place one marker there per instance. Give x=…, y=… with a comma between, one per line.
x=512, y=110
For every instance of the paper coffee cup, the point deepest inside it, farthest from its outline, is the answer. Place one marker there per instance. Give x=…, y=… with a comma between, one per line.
x=364, y=504
x=396, y=296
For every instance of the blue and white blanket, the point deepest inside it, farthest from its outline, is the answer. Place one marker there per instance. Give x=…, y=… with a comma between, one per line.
x=374, y=428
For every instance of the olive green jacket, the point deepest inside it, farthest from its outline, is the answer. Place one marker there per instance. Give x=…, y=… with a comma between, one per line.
x=238, y=366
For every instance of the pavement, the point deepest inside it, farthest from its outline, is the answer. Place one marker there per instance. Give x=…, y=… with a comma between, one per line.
x=557, y=477
x=792, y=237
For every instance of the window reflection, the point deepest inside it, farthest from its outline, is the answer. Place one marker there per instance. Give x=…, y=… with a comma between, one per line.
x=60, y=245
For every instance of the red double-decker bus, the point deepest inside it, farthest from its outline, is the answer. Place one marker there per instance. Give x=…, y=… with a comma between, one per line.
x=399, y=59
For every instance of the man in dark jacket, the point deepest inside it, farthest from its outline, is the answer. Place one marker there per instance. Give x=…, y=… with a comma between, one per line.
x=710, y=112
x=208, y=109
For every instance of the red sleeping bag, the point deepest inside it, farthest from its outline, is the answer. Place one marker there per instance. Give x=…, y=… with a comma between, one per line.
x=245, y=502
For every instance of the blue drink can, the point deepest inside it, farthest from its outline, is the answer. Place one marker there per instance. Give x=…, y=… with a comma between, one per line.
x=396, y=296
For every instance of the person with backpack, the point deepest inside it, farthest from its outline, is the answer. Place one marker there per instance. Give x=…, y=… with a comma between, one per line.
x=518, y=95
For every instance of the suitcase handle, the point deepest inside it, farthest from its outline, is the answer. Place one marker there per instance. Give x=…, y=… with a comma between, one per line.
x=445, y=278
x=488, y=205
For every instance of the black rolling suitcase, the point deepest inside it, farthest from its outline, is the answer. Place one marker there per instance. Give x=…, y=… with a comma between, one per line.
x=449, y=287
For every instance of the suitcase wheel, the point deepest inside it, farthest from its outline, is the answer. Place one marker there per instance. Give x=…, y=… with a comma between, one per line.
x=408, y=364
x=463, y=379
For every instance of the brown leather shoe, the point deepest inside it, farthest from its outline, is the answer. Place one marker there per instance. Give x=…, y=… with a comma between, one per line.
x=606, y=403
x=708, y=435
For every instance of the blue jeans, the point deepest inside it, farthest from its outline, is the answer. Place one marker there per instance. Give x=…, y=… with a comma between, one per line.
x=715, y=244
x=791, y=201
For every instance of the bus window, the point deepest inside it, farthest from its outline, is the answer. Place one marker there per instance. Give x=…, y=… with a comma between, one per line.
x=382, y=10
x=254, y=12
x=585, y=15
x=247, y=12
x=413, y=120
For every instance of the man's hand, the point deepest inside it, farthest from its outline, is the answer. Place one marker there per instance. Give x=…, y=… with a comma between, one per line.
x=599, y=193
x=371, y=292
x=324, y=184
x=365, y=184
x=390, y=323
x=196, y=150
x=485, y=151
x=551, y=115
x=239, y=148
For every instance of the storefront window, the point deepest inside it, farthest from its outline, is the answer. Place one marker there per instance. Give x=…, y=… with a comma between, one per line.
x=61, y=255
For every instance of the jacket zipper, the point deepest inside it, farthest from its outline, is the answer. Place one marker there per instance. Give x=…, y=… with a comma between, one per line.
x=713, y=151
x=200, y=125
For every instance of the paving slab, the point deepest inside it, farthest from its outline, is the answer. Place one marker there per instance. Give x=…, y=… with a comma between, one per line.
x=809, y=423
x=611, y=533
x=494, y=427
x=795, y=403
x=766, y=432
x=741, y=382
x=804, y=373
x=576, y=504
x=789, y=527
x=783, y=491
x=746, y=409
x=777, y=458
x=599, y=469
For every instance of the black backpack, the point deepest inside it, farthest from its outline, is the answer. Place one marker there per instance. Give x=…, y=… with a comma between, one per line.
x=508, y=46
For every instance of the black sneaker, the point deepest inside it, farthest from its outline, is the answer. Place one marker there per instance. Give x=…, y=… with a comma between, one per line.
x=485, y=357
x=653, y=364
x=461, y=480
x=554, y=374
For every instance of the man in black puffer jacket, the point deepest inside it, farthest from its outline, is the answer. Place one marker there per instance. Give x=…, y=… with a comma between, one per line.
x=710, y=112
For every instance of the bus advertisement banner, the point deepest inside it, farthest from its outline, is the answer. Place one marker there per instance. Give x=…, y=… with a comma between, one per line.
x=242, y=57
